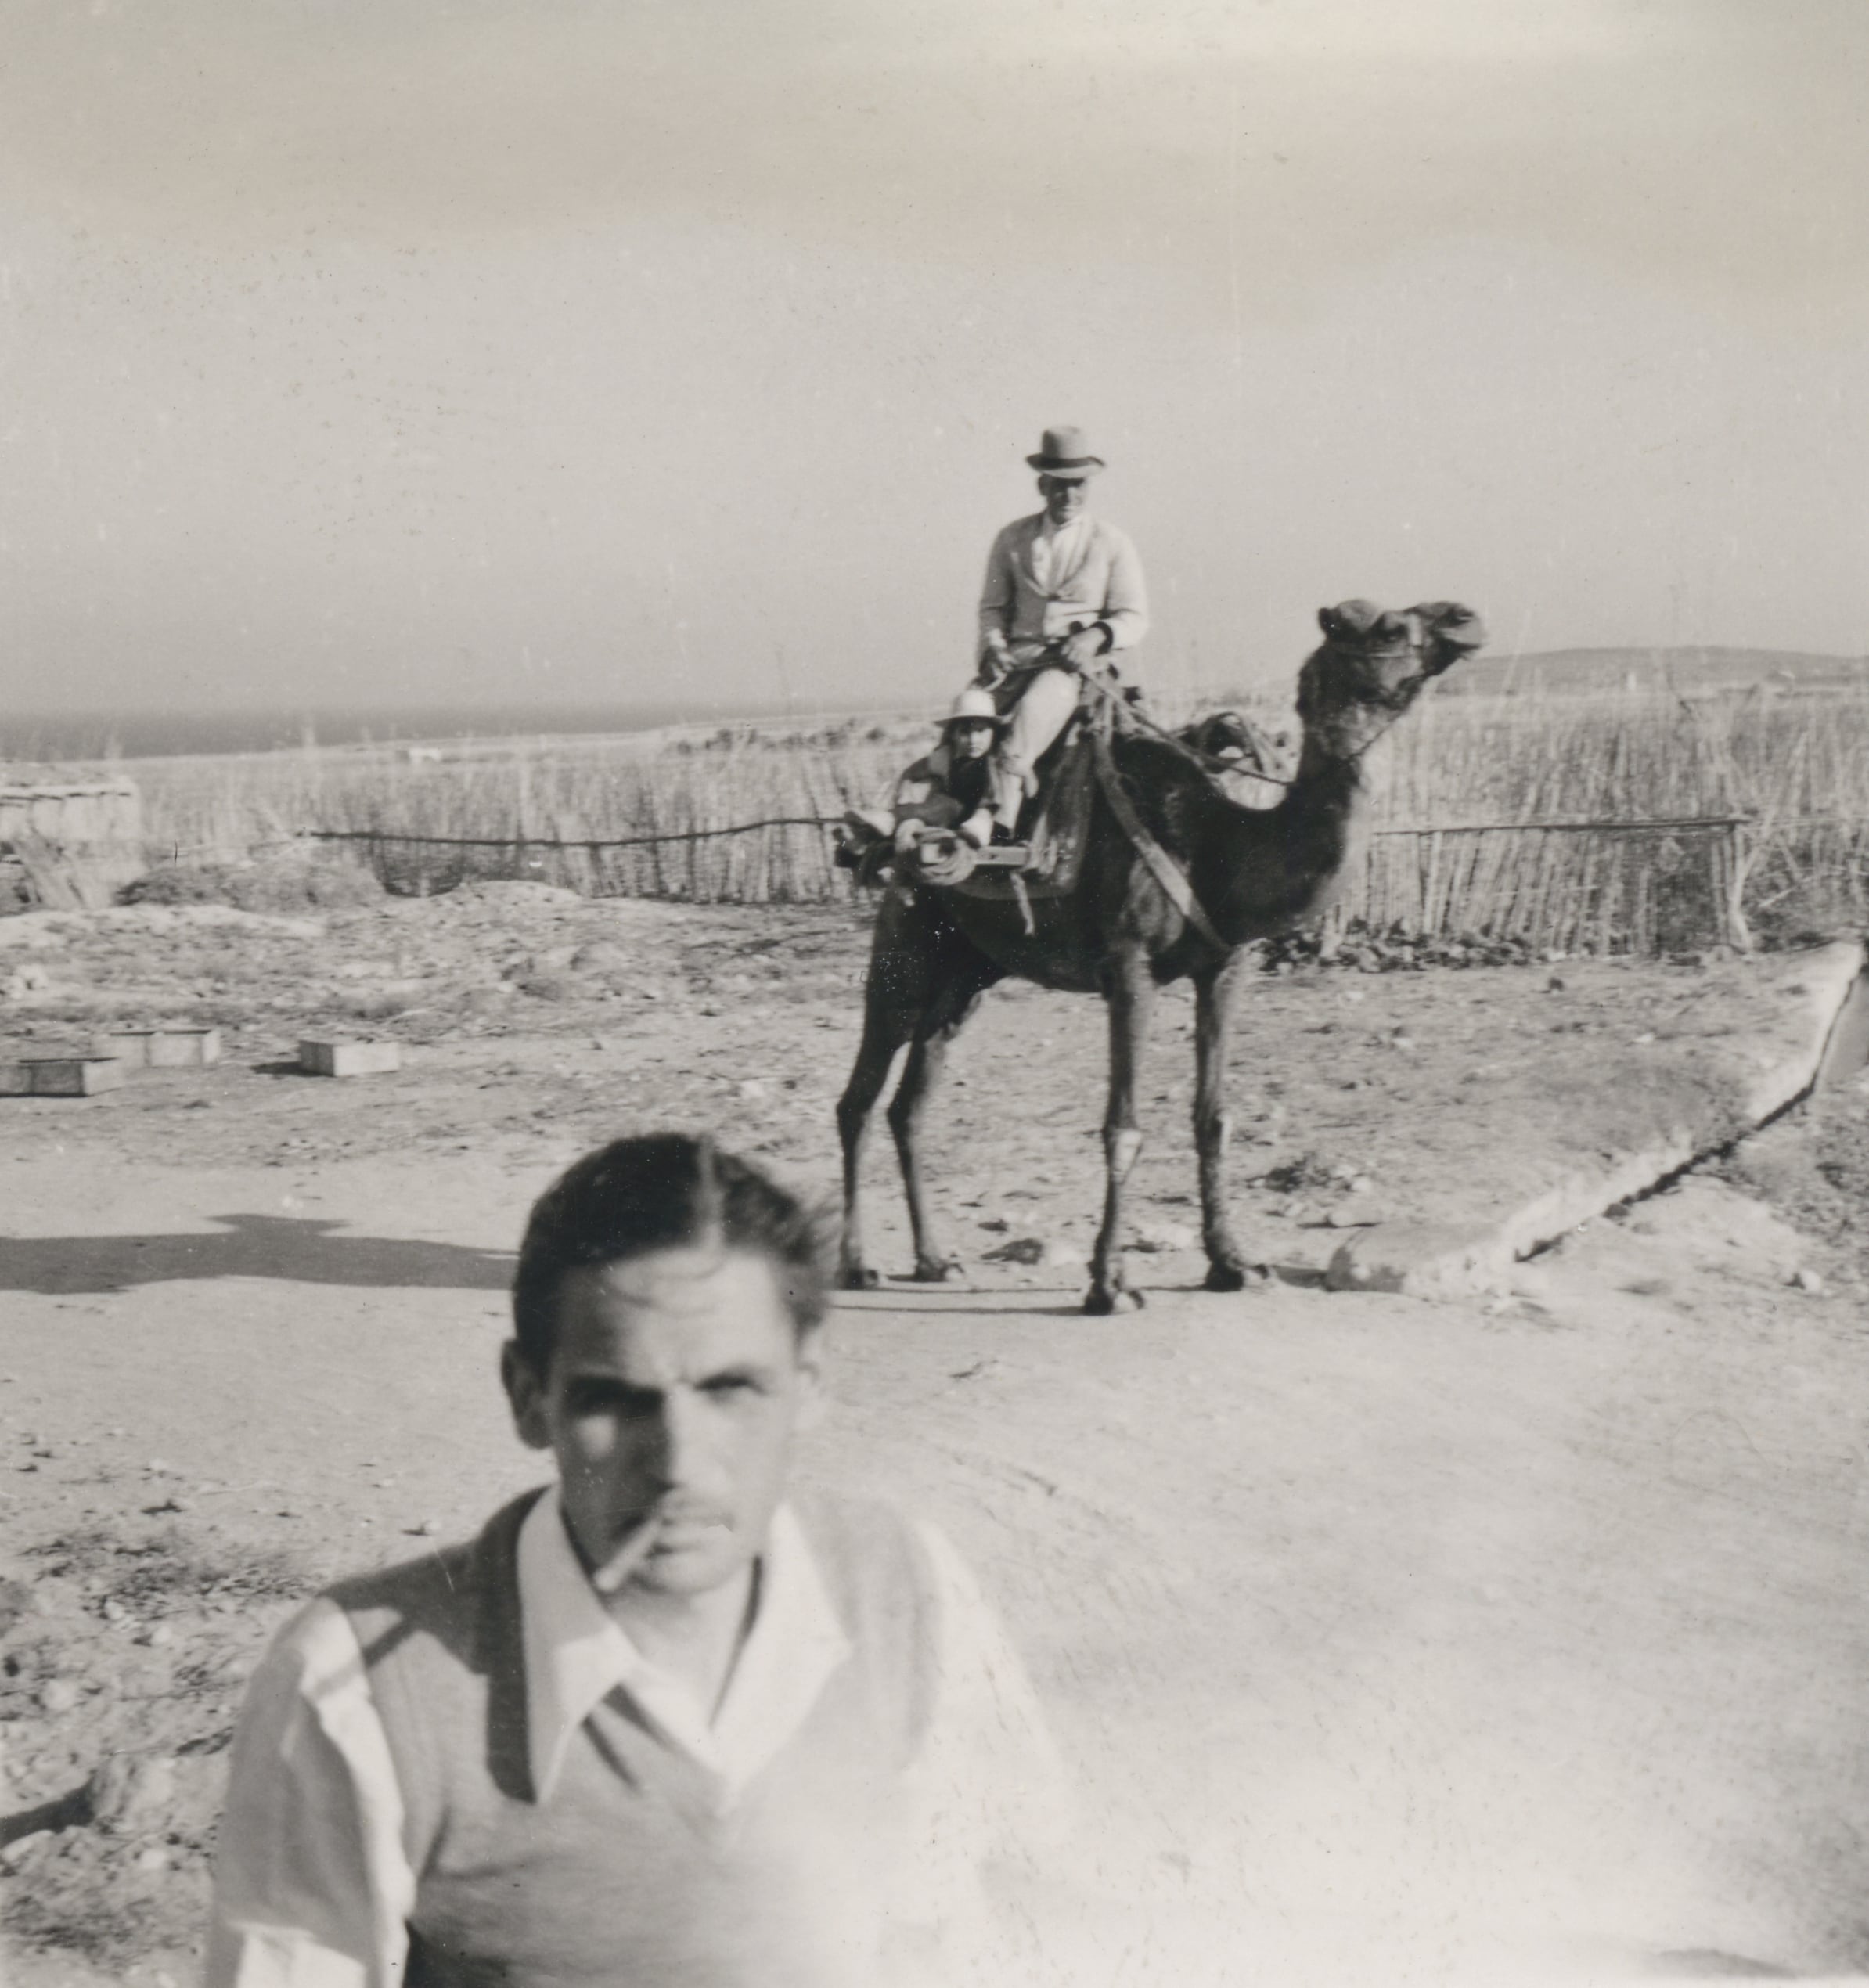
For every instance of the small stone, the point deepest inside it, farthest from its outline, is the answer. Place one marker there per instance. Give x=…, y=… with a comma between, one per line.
x=161, y=1637
x=751, y=1087
x=1158, y=1236
x=129, y=1792
x=59, y=1694
x=1059, y=1256
x=1421, y=1260
x=21, y=1851
x=1807, y=1280
x=425, y=1528
x=155, y=1858
x=601, y=957
x=1554, y=985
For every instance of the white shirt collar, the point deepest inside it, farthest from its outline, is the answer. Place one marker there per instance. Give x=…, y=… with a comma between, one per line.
x=576, y=1654
x=1048, y=529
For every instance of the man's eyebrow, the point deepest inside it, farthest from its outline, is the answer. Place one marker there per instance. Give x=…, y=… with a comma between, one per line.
x=612, y=1384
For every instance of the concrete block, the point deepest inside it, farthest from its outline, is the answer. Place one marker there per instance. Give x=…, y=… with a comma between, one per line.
x=333, y=1059
x=1846, y=1053
x=74, y=1076
x=161, y=1049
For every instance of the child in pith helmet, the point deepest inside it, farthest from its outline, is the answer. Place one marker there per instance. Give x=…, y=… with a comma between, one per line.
x=951, y=786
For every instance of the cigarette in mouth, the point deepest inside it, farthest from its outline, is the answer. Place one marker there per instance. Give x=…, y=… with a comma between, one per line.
x=615, y=1572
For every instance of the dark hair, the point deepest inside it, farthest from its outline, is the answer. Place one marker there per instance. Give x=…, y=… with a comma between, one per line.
x=664, y=1191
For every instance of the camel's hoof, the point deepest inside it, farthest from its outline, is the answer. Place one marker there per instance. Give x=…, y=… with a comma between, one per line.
x=858, y=1276
x=1231, y=1275
x=930, y=1269
x=1101, y=1304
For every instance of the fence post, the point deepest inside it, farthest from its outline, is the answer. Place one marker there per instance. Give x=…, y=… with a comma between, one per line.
x=1739, y=864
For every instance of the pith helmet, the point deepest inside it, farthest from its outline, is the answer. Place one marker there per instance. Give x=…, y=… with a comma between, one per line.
x=974, y=706
x=1063, y=452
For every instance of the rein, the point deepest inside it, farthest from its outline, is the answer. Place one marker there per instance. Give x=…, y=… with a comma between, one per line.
x=1209, y=763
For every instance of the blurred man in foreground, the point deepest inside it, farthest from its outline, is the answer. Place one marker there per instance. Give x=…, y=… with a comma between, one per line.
x=662, y=1722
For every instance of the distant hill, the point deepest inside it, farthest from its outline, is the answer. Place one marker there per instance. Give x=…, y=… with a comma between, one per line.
x=1689, y=672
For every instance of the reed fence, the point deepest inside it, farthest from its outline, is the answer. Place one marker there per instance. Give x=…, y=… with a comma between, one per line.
x=782, y=859
x=1634, y=822
x=1640, y=886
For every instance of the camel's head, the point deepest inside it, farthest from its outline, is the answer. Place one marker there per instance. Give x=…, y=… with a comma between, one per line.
x=1373, y=665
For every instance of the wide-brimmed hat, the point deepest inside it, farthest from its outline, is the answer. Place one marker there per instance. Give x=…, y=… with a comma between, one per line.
x=974, y=706
x=1063, y=452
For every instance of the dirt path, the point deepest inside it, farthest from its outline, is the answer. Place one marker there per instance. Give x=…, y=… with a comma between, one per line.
x=1390, y=1642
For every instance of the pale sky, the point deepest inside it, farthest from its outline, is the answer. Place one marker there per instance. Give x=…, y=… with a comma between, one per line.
x=389, y=351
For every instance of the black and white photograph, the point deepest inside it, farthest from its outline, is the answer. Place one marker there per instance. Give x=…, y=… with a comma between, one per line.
x=934, y=1021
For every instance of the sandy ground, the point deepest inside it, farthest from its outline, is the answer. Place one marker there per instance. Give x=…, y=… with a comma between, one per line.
x=1516, y=1639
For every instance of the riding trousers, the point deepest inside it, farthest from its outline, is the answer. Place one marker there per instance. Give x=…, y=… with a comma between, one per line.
x=1043, y=710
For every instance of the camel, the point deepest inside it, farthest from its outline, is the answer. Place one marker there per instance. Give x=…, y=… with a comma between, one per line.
x=1254, y=872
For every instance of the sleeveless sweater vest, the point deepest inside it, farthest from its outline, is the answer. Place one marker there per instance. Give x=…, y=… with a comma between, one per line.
x=630, y=1875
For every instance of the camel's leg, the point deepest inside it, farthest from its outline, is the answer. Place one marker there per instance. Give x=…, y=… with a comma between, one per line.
x=1129, y=990
x=886, y=1027
x=940, y=1023
x=1228, y=1268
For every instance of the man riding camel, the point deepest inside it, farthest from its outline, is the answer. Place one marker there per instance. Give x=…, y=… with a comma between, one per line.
x=1062, y=589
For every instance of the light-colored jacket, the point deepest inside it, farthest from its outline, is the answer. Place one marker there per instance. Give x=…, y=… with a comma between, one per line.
x=1103, y=583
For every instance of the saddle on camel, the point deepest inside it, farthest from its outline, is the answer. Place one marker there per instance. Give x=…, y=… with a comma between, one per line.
x=923, y=842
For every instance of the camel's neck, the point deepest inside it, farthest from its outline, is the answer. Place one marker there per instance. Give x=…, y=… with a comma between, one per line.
x=1278, y=865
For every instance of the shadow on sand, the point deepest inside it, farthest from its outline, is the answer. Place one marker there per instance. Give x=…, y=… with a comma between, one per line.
x=292, y=1250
